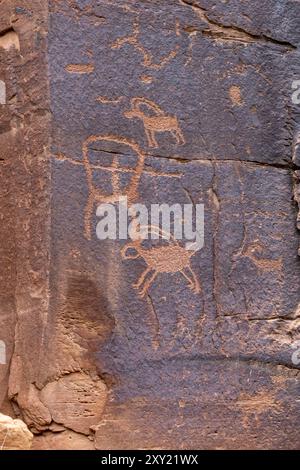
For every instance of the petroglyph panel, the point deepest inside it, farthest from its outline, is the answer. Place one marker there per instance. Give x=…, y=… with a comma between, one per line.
x=177, y=102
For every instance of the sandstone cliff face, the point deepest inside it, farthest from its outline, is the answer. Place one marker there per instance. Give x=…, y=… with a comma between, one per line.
x=175, y=101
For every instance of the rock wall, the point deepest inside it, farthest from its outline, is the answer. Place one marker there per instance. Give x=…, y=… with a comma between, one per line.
x=111, y=344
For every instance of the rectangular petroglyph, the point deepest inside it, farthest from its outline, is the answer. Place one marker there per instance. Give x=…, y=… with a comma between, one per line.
x=188, y=111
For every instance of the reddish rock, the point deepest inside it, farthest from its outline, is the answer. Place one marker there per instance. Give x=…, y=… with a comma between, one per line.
x=14, y=434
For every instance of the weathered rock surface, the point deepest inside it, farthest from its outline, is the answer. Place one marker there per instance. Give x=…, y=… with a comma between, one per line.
x=178, y=101
x=14, y=434
x=76, y=401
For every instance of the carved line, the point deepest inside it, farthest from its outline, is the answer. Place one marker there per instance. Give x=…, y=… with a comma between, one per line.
x=159, y=123
x=80, y=68
x=61, y=157
x=105, y=100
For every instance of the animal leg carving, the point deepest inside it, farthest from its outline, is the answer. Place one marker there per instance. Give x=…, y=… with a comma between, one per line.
x=154, y=141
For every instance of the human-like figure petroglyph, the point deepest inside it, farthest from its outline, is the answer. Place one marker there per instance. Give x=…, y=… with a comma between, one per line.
x=97, y=195
x=171, y=259
x=148, y=60
x=157, y=123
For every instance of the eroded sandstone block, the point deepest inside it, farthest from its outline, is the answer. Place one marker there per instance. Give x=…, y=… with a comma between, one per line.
x=115, y=344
